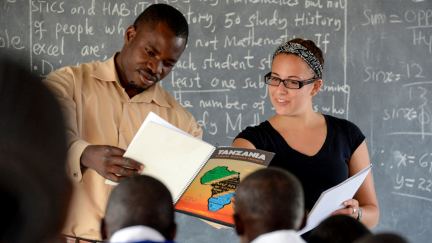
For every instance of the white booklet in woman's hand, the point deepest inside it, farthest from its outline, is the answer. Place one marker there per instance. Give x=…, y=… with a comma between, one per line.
x=169, y=154
x=332, y=199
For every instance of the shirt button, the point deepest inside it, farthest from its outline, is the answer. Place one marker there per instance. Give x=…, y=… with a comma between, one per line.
x=75, y=174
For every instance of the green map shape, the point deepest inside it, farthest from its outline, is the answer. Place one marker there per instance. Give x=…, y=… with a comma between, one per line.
x=217, y=173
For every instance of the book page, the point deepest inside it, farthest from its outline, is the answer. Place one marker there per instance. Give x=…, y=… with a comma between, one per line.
x=151, y=117
x=332, y=199
x=172, y=157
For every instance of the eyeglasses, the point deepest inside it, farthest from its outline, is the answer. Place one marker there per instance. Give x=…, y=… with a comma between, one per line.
x=288, y=83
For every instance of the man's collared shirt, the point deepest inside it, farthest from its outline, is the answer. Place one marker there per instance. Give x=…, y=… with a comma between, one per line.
x=98, y=111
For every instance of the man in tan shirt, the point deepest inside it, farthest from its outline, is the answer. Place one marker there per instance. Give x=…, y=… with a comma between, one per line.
x=105, y=104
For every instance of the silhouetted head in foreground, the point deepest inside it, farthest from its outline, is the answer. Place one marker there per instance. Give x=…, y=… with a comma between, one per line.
x=268, y=200
x=34, y=187
x=338, y=229
x=140, y=200
x=387, y=237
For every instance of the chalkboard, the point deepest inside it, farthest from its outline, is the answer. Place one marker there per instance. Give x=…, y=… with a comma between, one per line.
x=377, y=74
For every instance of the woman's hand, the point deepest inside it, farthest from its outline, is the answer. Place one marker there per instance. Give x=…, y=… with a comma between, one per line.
x=352, y=209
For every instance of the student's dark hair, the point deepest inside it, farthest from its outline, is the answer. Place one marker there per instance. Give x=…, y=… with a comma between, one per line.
x=312, y=47
x=140, y=200
x=382, y=237
x=167, y=14
x=338, y=229
x=33, y=182
x=272, y=198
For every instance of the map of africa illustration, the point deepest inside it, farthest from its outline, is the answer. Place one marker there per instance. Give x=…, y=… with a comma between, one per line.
x=223, y=184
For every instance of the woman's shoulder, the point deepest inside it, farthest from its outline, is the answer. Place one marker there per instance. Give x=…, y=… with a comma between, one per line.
x=341, y=123
x=345, y=130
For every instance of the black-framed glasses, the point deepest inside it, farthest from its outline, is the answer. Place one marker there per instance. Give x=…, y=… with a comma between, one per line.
x=288, y=83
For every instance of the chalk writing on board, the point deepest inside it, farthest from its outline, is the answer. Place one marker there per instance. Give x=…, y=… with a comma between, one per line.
x=413, y=175
x=52, y=40
x=418, y=112
x=10, y=41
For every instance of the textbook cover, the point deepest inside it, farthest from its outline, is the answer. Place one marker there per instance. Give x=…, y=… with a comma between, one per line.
x=210, y=195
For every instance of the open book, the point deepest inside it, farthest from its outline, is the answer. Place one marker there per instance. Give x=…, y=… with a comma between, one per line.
x=210, y=194
x=332, y=199
x=169, y=154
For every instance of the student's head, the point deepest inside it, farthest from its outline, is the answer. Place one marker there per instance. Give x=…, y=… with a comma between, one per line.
x=295, y=77
x=34, y=187
x=152, y=46
x=267, y=200
x=338, y=229
x=140, y=200
x=384, y=237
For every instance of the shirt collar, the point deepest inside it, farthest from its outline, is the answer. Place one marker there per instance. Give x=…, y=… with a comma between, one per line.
x=154, y=93
x=136, y=233
x=107, y=72
x=279, y=236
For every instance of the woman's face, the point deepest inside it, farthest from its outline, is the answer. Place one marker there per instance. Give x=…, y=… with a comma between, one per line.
x=292, y=102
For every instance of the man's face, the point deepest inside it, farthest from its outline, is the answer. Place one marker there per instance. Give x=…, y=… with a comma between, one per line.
x=149, y=54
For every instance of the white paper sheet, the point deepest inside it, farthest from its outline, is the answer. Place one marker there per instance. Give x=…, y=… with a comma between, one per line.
x=153, y=117
x=332, y=199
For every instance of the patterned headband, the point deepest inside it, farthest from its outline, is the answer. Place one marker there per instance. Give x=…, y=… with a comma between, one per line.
x=304, y=53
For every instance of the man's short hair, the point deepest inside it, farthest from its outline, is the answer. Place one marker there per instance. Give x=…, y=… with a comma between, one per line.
x=382, y=237
x=140, y=200
x=167, y=14
x=338, y=229
x=33, y=181
x=273, y=197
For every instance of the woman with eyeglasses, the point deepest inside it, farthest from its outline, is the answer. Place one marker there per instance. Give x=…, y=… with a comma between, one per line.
x=321, y=150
